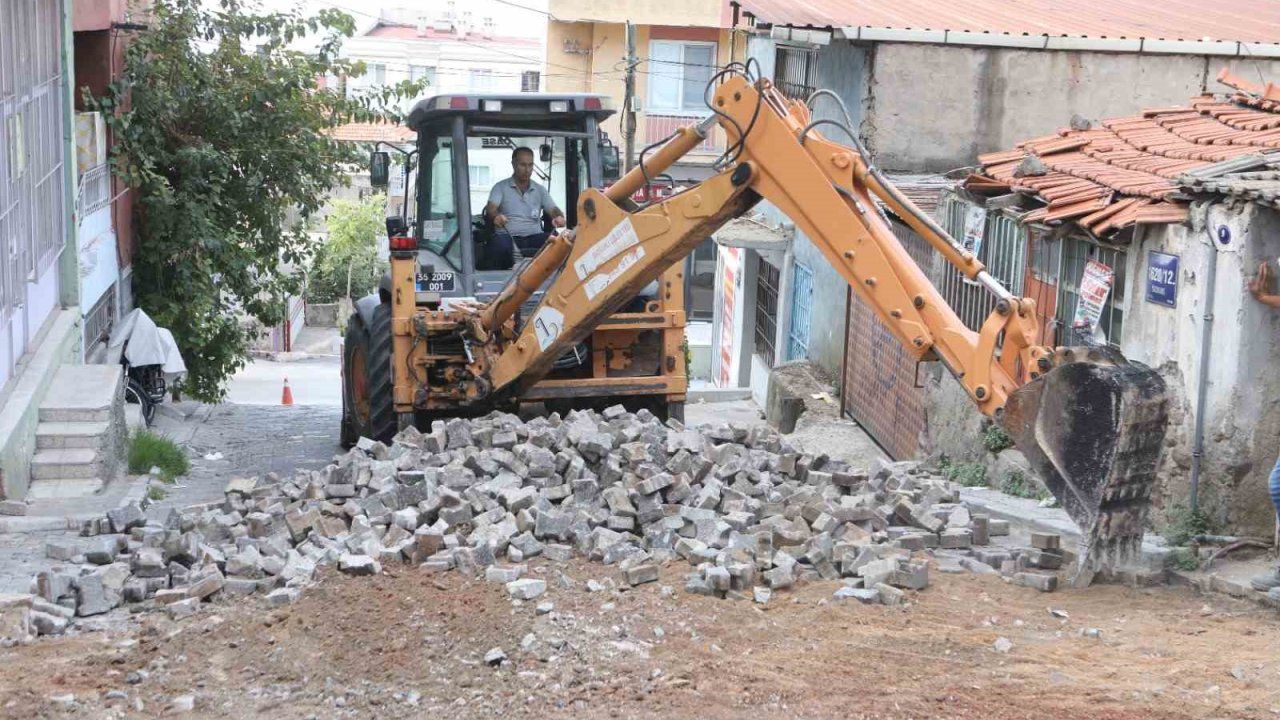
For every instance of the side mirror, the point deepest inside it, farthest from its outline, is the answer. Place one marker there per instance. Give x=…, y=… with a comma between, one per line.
x=379, y=169
x=544, y=153
x=611, y=163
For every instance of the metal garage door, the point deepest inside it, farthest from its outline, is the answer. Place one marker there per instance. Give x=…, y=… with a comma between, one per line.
x=879, y=375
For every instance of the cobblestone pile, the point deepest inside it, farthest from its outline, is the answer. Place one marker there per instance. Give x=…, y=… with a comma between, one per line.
x=750, y=513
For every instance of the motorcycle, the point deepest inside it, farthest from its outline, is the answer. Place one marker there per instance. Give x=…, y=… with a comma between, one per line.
x=150, y=358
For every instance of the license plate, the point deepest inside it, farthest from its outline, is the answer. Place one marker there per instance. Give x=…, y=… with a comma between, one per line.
x=435, y=282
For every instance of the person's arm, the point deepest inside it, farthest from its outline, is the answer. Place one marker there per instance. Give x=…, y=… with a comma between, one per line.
x=494, y=205
x=548, y=204
x=1260, y=287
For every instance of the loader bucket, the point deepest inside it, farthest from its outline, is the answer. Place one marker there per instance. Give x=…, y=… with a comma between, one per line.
x=1093, y=428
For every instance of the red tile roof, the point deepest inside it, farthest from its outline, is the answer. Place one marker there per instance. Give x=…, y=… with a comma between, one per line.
x=1193, y=20
x=1131, y=170
x=372, y=132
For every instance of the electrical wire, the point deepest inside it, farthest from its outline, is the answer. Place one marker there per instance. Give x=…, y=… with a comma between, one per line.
x=734, y=152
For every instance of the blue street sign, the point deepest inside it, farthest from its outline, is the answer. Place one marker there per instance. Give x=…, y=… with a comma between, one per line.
x=1162, y=279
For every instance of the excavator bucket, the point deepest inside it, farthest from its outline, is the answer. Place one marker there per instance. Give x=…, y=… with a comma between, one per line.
x=1092, y=428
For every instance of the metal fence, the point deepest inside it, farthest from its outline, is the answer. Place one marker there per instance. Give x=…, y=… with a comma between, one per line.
x=658, y=126
x=801, y=312
x=1076, y=253
x=1003, y=251
x=99, y=320
x=94, y=192
x=32, y=210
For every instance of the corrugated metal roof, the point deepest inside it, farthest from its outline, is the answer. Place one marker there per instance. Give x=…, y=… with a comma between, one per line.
x=1192, y=20
x=1131, y=170
x=1255, y=178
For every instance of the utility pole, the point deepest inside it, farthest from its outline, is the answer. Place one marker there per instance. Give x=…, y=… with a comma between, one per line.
x=628, y=105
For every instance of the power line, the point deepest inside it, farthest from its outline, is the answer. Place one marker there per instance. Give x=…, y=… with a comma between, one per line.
x=523, y=7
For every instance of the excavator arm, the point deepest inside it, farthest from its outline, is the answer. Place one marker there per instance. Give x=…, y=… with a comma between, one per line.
x=1090, y=422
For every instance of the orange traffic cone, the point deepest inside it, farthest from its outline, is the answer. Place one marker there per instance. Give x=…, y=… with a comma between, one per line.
x=286, y=398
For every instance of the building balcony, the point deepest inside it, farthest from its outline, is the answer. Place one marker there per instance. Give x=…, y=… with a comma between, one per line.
x=94, y=192
x=659, y=125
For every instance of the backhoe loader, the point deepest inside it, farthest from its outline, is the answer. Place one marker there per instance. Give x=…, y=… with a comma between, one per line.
x=1091, y=423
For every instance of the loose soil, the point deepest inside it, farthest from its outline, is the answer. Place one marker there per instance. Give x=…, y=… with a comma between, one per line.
x=412, y=644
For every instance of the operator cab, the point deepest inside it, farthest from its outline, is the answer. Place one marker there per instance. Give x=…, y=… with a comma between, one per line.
x=464, y=148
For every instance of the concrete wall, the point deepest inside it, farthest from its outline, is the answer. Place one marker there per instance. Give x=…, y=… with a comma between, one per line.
x=698, y=13
x=1242, y=424
x=842, y=68
x=597, y=71
x=932, y=108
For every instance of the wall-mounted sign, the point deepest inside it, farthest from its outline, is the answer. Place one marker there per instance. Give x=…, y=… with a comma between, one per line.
x=1224, y=234
x=1162, y=279
x=975, y=226
x=1095, y=286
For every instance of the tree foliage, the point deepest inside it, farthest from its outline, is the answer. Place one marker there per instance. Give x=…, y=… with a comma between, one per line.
x=221, y=128
x=347, y=265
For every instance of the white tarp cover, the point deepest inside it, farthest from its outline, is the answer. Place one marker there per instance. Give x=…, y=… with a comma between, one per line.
x=144, y=343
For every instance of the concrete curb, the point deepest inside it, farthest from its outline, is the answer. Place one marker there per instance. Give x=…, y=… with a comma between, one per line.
x=1049, y=520
x=136, y=492
x=717, y=395
x=1214, y=583
x=284, y=357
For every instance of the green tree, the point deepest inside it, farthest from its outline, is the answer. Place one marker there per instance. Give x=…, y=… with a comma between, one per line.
x=347, y=265
x=221, y=130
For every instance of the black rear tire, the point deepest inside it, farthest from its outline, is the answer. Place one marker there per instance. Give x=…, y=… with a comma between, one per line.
x=367, y=353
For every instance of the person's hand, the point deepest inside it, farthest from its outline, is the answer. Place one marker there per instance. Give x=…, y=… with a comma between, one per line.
x=500, y=220
x=1261, y=283
x=558, y=221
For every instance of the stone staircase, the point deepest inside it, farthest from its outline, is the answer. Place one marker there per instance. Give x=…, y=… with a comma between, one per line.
x=81, y=432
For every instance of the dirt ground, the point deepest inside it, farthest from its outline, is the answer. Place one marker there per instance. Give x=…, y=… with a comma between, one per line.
x=412, y=644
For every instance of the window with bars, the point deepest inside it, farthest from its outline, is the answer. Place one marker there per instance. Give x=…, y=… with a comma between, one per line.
x=32, y=192
x=1003, y=250
x=794, y=71
x=530, y=80
x=766, y=323
x=1076, y=253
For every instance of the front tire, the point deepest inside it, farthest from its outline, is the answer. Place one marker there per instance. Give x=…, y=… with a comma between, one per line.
x=135, y=394
x=367, y=394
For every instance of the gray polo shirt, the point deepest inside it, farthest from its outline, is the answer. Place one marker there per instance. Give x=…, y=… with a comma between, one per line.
x=523, y=209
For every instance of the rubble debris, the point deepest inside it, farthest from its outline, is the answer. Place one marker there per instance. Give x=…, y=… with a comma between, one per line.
x=1046, y=541
x=750, y=513
x=526, y=589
